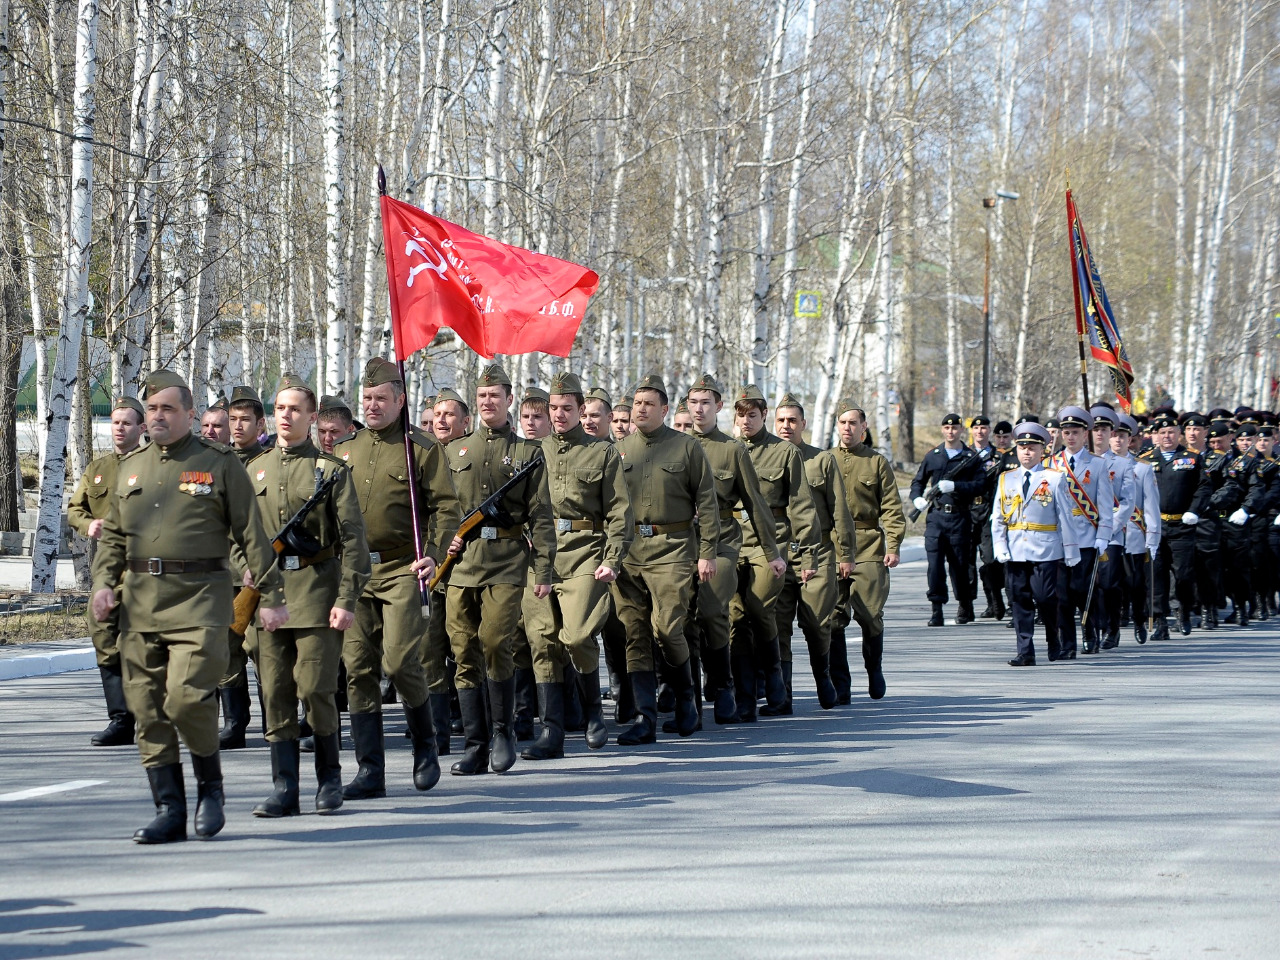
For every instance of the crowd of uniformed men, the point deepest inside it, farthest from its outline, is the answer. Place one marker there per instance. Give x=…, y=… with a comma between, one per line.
x=686, y=553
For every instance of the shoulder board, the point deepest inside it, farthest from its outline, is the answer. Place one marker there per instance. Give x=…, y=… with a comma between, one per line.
x=144, y=446
x=211, y=444
x=423, y=439
x=330, y=458
x=255, y=458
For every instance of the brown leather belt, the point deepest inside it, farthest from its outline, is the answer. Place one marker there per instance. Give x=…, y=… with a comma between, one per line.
x=393, y=553
x=564, y=525
x=653, y=529
x=158, y=566
x=290, y=561
x=501, y=533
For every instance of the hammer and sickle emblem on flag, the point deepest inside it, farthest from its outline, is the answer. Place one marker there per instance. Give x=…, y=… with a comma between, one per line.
x=420, y=245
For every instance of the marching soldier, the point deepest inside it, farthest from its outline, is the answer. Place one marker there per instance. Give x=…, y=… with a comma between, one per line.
x=1184, y=496
x=1268, y=475
x=815, y=602
x=488, y=581
x=669, y=481
x=1141, y=535
x=1002, y=438
x=427, y=415
x=753, y=624
x=333, y=423
x=1234, y=512
x=87, y=513
x=736, y=482
x=597, y=414
x=248, y=421
x=1111, y=571
x=1195, y=430
x=983, y=563
x=387, y=634
x=879, y=526
x=214, y=424
x=620, y=424
x=1087, y=481
x=325, y=566
x=1034, y=537
x=1225, y=490
x=956, y=473
x=178, y=505
x=681, y=420
x=593, y=531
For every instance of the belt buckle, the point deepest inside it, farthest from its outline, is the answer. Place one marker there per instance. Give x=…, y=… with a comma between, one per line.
x=946, y=508
x=293, y=563
x=488, y=533
x=645, y=529
x=155, y=566
x=375, y=556
x=563, y=525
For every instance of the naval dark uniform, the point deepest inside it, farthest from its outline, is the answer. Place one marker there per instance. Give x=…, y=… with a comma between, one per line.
x=984, y=566
x=948, y=532
x=1225, y=495
x=1184, y=487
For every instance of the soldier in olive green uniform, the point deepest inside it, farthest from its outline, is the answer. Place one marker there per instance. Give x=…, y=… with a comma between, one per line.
x=593, y=531
x=246, y=420
x=756, y=646
x=669, y=481
x=815, y=601
x=736, y=483
x=535, y=424
x=325, y=566
x=86, y=512
x=390, y=627
x=487, y=583
x=620, y=425
x=333, y=423
x=177, y=506
x=876, y=506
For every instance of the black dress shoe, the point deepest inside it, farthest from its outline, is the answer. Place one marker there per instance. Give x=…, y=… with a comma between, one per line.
x=1140, y=632
x=1112, y=641
x=1022, y=662
x=1185, y=625
x=964, y=614
x=1161, y=631
x=1067, y=656
x=988, y=613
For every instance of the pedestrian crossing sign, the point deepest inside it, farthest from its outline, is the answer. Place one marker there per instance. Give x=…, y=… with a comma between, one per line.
x=808, y=303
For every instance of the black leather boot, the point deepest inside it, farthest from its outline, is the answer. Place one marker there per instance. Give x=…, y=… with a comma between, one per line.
x=306, y=736
x=841, y=678
x=687, y=719
x=170, y=823
x=526, y=704
x=775, y=681
x=744, y=686
x=872, y=654
x=475, y=724
x=1000, y=608
x=644, y=686
x=235, y=715
x=575, y=717
x=721, y=683
x=786, y=709
x=283, y=799
x=426, y=761
x=964, y=612
x=597, y=732
x=440, y=720
x=936, y=620
x=502, y=701
x=328, y=773
x=209, y=796
x=820, y=663
x=624, y=701
x=550, y=744
x=370, y=781
x=119, y=729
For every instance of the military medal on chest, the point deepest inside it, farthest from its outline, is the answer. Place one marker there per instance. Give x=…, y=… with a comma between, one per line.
x=196, y=482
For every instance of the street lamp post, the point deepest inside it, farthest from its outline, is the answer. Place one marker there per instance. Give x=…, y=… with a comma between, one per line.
x=988, y=203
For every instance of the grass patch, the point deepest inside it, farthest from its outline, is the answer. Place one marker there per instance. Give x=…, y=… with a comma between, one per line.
x=31, y=618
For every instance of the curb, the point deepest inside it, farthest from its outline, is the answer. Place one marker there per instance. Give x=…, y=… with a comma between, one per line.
x=47, y=664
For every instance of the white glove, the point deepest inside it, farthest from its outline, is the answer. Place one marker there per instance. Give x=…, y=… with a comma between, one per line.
x=1101, y=545
x=1276, y=522
x=920, y=503
x=1153, y=544
x=1190, y=519
x=1003, y=556
x=1239, y=517
x=946, y=486
x=1071, y=561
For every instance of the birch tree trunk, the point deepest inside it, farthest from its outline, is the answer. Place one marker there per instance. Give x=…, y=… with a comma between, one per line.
x=335, y=382
x=75, y=304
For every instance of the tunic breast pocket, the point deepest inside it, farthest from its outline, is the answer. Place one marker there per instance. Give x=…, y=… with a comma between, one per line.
x=724, y=483
x=589, y=475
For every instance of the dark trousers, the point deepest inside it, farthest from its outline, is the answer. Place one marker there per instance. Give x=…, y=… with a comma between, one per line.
x=1176, y=561
x=948, y=545
x=1113, y=579
x=1073, y=593
x=1133, y=591
x=984, y=567
x=1208, y=541
x=1032, y=586
x=1237, y=563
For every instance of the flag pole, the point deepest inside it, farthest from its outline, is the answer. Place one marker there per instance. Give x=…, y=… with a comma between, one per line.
x=1075, y=288
x=411, y=469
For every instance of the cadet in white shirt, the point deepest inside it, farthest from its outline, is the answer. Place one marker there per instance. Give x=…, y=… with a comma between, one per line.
x=1141, y=535
x=1088, y=483
x=1111, y=572
x=1033, y=536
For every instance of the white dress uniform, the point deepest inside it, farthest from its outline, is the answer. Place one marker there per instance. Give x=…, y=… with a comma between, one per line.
x=1141, y=538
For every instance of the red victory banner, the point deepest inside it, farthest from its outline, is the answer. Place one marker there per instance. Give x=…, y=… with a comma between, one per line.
x=496, y=297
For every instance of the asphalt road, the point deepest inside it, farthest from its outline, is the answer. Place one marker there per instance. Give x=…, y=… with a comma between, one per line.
x=1119, y=806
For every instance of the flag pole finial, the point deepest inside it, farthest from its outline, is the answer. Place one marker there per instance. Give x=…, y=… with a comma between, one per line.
x=382, y=182
x=1067, y=171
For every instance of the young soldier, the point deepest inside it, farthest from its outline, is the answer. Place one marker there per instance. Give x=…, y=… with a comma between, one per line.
x=1234, y=512
x=1087, y=480
x=535, y=424
x=593, y=531
x=957, y=473
x=983, y=564
x=597, y=414
x=681, y=420
x=87, y=512
x=1111, y=570
x=756, y=645
x=1141, y=536
x=248, y=421
x=325, y=566
x=333, y=423
x=620, y=424
x=876, y=507
x=669, y=481
x=387, y=634
x=1268, y=476
x=488, y=581
x=179, y=503
x=815, y=602
x=1033, y=537
x=1225, y=491
x=1184, y=492
x=736, y=482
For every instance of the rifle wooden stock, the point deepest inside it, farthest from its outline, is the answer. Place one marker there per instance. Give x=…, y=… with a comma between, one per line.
x=245, y=606
x=467, y=531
